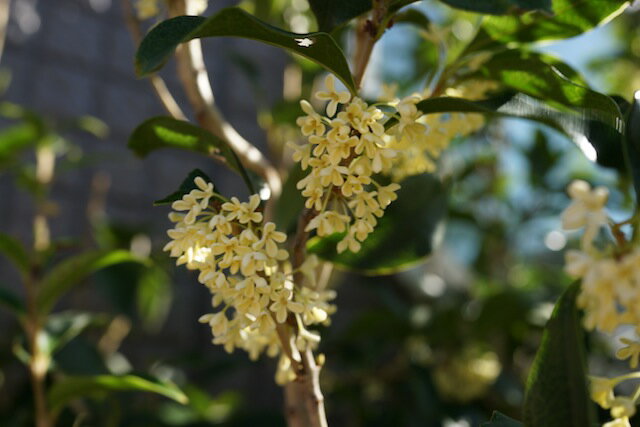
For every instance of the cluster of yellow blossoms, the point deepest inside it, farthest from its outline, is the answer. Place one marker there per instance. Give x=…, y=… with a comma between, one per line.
x=240, y=259
x=610, y=291
x=343, y=153
x=420, y=139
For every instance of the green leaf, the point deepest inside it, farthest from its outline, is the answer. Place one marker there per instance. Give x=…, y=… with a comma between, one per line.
x=18, y=137
x=153, y=297
x=568, y=18
x=632, y=144
x=166, y=132
x=557, y=391
x=404, y=236
x=499, y=7
x=291, y=201
x=549, y=79
x=77, y=387
x=15, y=252
x=162, y=40
x=499, y=419
x=186, y=186
x=11, y=301
x=70, y=272
x=331, y=14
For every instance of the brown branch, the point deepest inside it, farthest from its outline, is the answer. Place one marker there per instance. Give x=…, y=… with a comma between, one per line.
x=195, y=79
x=159, y=87
x=368, y=31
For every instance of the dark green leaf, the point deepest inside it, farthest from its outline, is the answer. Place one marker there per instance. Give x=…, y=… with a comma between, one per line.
x=14, y=251
x=501, y=420
x=632, y=143
x=332, y=14
x=500, y=7
x=167, y=132
x=405, y=235
x=557, y=392
x=185, y=188
x=162, y=40
x=71, y=388
x=291, y=201
x=70, y=272
x=11, y=301
x=568, y=18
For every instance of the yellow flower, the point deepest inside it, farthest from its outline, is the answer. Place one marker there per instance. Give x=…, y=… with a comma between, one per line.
x=332, y=96
x=312, y=123
x=623, y=407
x=586, y=210
x=244, y=212
x=602, y=391
x=630, y=351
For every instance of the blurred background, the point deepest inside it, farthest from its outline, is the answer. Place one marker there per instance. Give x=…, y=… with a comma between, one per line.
x=441, y=344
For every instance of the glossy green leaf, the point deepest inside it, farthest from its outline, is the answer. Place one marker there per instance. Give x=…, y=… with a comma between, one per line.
x=404, y=236
x=499, y=419
x=186, y=186
x=291, y=201
x=11, y=301
x=500, y=7
x=568, y=18
x=15, y=252
x=162, y=40
x=77, y=387
x=549, y=79
x=557, y=391
x=166, y=132
x=70, y=272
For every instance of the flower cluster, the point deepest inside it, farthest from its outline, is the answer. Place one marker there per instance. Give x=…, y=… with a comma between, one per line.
x=420, y=139
x=240, y=259
x=610, y=290
x=343, y=152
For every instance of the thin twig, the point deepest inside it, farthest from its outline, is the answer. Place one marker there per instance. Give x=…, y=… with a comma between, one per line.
x=159, y=87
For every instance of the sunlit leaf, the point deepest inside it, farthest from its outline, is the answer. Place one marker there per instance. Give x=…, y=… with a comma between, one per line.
x=568, y=18
x=404, y=236
x=162, y=40
x=153, y=297
x=500, y=7
x=166, y=132
x=557, y=392
x=70, y=272
x=78, y=387
x=65, y=326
